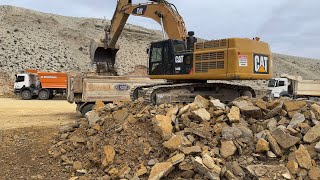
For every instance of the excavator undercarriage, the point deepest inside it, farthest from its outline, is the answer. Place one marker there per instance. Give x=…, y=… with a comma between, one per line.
x=182, y=92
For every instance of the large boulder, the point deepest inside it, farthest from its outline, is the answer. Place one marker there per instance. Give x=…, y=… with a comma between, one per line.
x=316, y=109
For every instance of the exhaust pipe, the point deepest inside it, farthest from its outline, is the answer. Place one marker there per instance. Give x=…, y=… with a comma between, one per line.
x=104, y=58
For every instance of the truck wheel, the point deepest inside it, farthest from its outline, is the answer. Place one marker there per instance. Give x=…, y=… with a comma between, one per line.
x=86, y=109
x=26, y=95
x=44, y=95
x=246, y=93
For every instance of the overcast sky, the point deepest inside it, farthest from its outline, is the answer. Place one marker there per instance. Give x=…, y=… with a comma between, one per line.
x=290, y=26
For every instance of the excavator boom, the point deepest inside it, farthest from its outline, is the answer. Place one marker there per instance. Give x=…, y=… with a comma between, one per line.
x=103, y=52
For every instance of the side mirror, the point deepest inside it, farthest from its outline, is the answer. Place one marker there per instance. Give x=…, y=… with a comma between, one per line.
x=148, y=49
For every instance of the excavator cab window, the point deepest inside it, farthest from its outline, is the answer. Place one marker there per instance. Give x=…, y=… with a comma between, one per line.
x=170, y=58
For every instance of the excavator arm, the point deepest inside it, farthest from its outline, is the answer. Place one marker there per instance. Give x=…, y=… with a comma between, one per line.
x=103, y=52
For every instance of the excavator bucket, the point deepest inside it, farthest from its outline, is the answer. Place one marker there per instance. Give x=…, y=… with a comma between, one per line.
x=103, y=57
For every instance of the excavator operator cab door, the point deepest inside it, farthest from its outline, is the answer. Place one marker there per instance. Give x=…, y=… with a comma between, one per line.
x=169, y=58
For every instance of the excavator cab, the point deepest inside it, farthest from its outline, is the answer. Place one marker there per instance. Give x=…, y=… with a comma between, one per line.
x=170, y=57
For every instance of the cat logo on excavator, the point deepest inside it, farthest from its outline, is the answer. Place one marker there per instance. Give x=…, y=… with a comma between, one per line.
x=261, y=64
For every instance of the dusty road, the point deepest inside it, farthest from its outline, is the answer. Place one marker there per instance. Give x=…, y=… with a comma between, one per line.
x=15, y=113
x=27, y=129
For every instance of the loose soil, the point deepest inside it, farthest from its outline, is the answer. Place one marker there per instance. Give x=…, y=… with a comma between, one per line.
x=26, y=133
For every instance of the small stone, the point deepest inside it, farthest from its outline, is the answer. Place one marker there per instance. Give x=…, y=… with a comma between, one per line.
x=230, y=133
x=160, y=170
x=314, y=173
x=275, y=111
x=176, y=159
x=272, y=124
x=93, y=117
x=142, y=170
x=273, y=144
x=234, y=114
x=96, y=127
x=265, y=171
x=99, y=105
x=248, y=109
x=217, y=104
x=303, y=157
x=109, y=154
x=312, y=135
x=191, y=150
x=201, y=102
x=209, y=162
x=77, y=165
x=316, y=110
x=270, y=154
x=66, y=128
x=293, y=167
x=290, y=106
x=172, y=111
x=296, y=119
x=173, y=143
x=317, y=147
x=162, y=125
x=212, y=174
x=152, y=162
x=201, y=115
x=262, y=146
x=131, y=119
x=227, y=149
x=285, y=140
x=120, y=115
x=185, y=166
x=287, y=176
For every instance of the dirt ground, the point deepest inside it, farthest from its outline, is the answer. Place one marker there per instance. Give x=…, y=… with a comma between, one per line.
x=26, y=132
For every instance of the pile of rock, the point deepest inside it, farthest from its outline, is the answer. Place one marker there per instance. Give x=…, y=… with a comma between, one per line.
x=246, y=139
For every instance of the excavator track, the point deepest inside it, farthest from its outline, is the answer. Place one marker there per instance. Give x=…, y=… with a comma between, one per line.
x=185, y=92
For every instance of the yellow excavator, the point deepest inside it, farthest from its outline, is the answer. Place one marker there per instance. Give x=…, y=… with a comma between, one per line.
x=186, y=65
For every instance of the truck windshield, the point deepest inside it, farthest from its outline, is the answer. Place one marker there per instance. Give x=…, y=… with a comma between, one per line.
x=20, y=79
x=272, y=83
x=178, y=46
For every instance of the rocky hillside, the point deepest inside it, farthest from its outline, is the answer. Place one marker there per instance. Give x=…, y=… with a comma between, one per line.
x=30, y=39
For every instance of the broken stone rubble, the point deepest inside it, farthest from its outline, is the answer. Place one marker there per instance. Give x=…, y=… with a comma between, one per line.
x=198, y=143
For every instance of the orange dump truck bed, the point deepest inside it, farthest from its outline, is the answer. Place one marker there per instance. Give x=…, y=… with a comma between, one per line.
x=53, y=80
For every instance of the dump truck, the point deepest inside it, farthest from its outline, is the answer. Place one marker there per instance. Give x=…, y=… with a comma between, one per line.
x=294, y=86
x=44, y=85
x=84, y=89
x=186, y=64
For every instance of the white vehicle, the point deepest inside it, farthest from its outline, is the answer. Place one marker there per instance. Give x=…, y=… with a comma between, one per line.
x=294, y=86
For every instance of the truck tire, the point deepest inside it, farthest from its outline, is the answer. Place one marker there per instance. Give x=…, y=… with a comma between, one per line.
x=44, y=95
x=247, y=93
x=26, y=95
x=86, y=108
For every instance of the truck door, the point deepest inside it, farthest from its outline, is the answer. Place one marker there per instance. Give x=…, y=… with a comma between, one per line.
x=20, y=81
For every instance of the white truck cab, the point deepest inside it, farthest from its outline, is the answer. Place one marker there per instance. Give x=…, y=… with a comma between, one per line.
x=279, y=87
x=294, y=86
x=26, y=81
